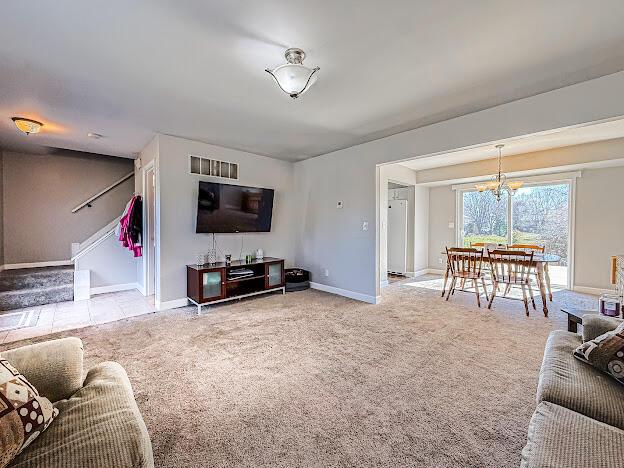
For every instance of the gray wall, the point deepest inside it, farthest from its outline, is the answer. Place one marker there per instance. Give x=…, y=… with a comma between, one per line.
x=1, y=209
x=109, y=264
x=40, y=192
x=177, y=209
x=330, y=238
x=598, y=228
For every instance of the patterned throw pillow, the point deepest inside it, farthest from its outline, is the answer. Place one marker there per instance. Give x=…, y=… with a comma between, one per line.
x=605, y=353
x=23, y=413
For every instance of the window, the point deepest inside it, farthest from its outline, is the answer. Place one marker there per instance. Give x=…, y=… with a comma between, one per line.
x=538, y=213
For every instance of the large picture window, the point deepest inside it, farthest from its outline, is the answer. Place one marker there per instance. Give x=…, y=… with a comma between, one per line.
x=537, y=214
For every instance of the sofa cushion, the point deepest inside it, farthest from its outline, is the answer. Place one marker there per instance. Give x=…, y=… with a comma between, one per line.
x=24, y=415
x=98, y=426
x=566, y=381
x=559, y=437
x=605, y=353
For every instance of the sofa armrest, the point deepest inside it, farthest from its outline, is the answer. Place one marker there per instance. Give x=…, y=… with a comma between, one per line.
x=54, y=367
x=596, y=325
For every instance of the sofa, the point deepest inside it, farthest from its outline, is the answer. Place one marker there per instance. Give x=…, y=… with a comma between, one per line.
x=99, y=423
x=579, y=419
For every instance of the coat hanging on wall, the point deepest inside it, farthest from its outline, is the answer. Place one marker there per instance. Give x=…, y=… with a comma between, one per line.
x=130, y=228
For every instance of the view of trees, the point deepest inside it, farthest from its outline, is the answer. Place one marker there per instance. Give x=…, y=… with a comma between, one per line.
x=539, y=216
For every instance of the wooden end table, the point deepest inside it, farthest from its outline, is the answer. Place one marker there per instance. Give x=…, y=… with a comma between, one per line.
x=575, y=317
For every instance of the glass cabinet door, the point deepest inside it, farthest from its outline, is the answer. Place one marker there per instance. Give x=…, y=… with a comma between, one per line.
x=274, y=274
x=211, y=284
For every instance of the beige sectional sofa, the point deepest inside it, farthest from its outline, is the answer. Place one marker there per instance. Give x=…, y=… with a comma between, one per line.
x=579, y=419
x=99, y=423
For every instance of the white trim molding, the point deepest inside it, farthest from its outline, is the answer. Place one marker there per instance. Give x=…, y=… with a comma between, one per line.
x=112, y=288
x=591, y=290
x=166, y=305
x=15, y=266
x=346, y=293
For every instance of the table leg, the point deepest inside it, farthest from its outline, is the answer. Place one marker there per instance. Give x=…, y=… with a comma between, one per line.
x=572, y=325
x=547, y=276
x=540, y=280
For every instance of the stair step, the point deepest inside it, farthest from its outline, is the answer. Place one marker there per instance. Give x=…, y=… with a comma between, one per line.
x=36, y=278
x=31, y=297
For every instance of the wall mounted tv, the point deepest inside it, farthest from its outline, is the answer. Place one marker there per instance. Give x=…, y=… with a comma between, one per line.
x=233, y=208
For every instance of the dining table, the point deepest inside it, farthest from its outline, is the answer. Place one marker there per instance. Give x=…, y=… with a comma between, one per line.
x=540, y=262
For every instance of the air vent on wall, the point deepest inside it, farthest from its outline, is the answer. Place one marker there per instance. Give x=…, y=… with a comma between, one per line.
x=211, y=167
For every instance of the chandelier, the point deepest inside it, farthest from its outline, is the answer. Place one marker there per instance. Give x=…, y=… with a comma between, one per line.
x=293, y=77
x=499, y=183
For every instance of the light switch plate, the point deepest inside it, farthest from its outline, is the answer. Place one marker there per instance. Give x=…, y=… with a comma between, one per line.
x=339, y=204
x=365, y=226
x=451, y=225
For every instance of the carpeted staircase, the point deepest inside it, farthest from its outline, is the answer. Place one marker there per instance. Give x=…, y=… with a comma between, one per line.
x=30, y=287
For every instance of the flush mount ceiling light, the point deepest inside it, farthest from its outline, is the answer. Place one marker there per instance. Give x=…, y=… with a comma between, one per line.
x=293, y=77
x=499, y=183
x=27, y=126
x=95, y=136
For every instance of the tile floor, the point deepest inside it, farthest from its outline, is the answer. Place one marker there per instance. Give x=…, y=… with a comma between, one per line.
x=71, y=315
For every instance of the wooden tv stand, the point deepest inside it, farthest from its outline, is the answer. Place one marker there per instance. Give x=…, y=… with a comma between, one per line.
x=211, y=284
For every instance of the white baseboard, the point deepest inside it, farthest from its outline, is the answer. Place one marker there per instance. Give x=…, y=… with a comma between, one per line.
x=112, y=288
x=590, y=290
x=15, y=266
x=346, y=293
x=166, y=305
x=434, y=271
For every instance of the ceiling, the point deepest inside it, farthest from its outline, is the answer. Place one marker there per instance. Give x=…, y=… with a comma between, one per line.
x=528, y=144
x=195, y=68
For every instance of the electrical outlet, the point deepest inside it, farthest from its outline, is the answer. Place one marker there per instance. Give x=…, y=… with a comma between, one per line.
x=365, y=226
x=339, y=205
x=440, y=261
x=325, y=272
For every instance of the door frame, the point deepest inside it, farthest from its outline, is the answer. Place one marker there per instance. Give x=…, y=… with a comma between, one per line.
x=149, y=276
x=550, y=179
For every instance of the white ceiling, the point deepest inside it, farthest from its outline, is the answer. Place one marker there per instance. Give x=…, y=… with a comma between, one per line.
x=557, y=139
x=195, y=68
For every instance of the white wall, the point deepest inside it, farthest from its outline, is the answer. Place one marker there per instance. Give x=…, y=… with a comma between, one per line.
x=40, y=191
x=598, y=231
x=333, y=239
x=177, y=207
x=110, y=264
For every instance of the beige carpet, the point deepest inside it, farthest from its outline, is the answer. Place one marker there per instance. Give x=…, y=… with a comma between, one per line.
x=312, y=379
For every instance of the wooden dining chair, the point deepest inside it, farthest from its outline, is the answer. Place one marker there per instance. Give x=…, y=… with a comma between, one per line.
x=512, y=268
x=539, y=249
x=465, y=264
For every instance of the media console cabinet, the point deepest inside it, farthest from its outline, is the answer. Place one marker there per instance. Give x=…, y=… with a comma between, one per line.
x=210, y=284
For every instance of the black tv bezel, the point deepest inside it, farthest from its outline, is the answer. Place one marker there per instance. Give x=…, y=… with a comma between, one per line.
x=197, y=231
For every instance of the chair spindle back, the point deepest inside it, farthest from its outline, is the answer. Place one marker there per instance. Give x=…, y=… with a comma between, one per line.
x=510, y=266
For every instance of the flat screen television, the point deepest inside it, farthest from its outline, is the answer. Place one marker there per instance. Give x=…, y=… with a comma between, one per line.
x=233, y=208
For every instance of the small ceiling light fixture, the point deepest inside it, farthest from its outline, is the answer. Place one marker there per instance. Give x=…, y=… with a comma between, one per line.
x=95, y=136
x=293, y=77
x=27, y=126
x=499, y=181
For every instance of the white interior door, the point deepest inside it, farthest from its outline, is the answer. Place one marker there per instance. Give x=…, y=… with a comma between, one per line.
x=397, y=236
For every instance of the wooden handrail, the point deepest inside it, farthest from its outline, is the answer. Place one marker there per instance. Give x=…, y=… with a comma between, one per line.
x=102, y=192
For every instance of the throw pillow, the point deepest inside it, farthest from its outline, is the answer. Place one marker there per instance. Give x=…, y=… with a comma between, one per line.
x=605, y=353
x=23, y=413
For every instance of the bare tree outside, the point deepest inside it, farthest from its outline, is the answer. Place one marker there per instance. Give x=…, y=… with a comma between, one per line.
x=540, y=216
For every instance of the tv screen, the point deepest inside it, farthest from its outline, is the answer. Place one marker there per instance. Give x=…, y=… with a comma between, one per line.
x=233, y=208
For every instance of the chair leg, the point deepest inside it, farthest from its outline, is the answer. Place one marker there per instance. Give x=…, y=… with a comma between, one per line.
x=476, y=286
x=446, y=275
x=463, y=284
x=451, y=288
x=524, y=299
x=507, y=289
x=531, y=293
x=494, y=289
x=487, y=297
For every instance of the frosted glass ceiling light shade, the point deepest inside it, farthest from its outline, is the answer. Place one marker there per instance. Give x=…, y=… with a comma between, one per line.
x=293, y=77
x=27, y=126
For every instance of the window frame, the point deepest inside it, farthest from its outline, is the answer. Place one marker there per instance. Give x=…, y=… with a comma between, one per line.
x=568, y=178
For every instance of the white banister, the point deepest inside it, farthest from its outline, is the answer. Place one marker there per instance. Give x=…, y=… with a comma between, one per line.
x=102, y=192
